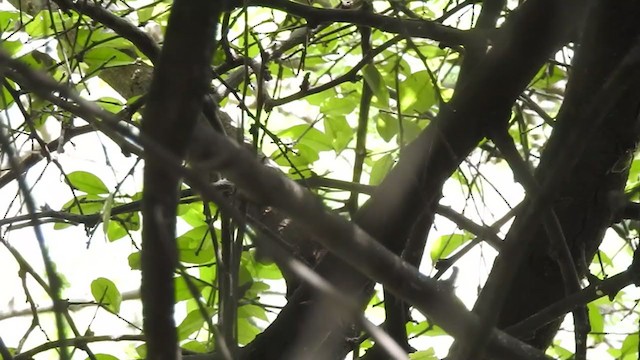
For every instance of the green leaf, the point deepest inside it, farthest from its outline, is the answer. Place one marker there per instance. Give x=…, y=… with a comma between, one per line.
x=339, y=105
x=12, y=351
x=411, y=130
x=40, y=25
x=122, y=224
x=145, y=14
x=131, y=220
x=548, y=76
x=267, y=271
x=208, y=273
x=252, y=311
x=8, y=18
x=40, y=61
x=115, y=231
x=445, y=245
x=199, y=347
x=429, y=354
x=256, y=289
x=106, y=213
x=104, y=357
x=601, y=256
x=244, y=275
x=634, y=173
x=191, y=323
x=110, y=104
x=246, y=331
x=596, y=320
x=629, y=345
x=142, y=351
x=195, y=246
x=11, y=47
x=61, y=225
x=560, y=353
x=192, y=213
x=102, y=57
x=431, y=51
x=87, y=182
x=413, y=328
x=134, y=260
x=309, y=154
x=367, y=344
x=416, y=93
x=95, y=38
x=83, y=204
x=375, y=81
x=387, y=126
x=6, y=99
x=308, y=136
x=46, y=23
x=319, y=98
x=300, y=157
x=338, y=129
x=181, y=288
x=380, y=169
x=105, y=292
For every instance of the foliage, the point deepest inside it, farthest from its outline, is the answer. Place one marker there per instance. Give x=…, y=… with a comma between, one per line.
x=322, y=91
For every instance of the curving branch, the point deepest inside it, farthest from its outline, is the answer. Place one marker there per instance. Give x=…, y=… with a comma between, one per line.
x=78, y=342
x=427, y=29
x=120, y=26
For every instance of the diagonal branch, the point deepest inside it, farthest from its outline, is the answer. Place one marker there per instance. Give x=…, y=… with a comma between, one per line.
x=433, y=298
x=528, y=37
x=620, y=80
x=559, y=247
x=608, y=287
x=429, y=296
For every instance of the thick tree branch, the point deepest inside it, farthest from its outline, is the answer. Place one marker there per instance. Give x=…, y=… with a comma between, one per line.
x=567, y=146
x=175, y=100
x=429, y=296
x=348, y=241
x=487, y=20
x=559, y=247
x=527, y=38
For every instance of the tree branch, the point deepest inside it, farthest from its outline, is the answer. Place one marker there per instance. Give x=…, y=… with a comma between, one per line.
x=428, y=295
x=175, y=100
x=407, y=27
x=617, y=82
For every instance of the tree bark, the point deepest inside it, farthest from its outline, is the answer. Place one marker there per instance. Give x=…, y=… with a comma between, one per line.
x=179, y=85
x=530, y=35
x=583, y=203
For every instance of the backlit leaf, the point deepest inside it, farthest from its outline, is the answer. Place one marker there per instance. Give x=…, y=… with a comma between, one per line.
x=87, y=182
x=105, y=292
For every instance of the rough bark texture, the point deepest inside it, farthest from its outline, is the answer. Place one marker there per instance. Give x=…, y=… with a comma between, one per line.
x=530, y=35
x=175, y=100
x=397, y=311
x=583, y=204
